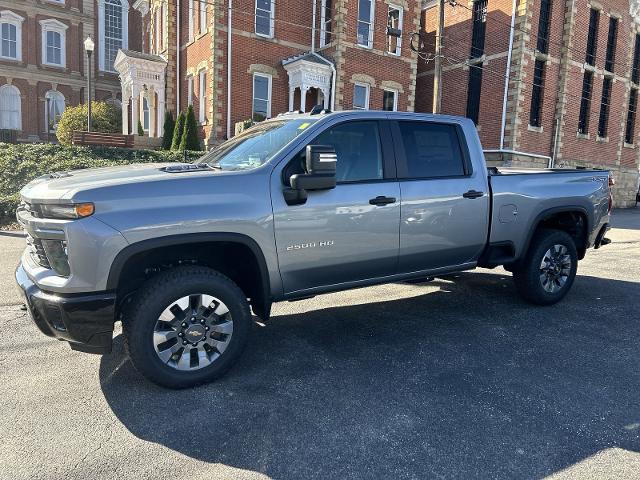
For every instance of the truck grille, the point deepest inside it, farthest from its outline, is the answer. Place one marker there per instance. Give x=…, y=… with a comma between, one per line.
x=36, y=250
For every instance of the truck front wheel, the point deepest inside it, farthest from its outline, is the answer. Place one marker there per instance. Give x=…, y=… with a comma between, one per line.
x=545, y=276
x=186, y=326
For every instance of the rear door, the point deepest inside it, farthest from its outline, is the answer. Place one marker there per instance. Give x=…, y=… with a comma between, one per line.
x=349, y=233
x=445, y=204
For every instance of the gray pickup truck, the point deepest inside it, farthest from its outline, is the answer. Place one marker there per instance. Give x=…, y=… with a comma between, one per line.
x=294, y=207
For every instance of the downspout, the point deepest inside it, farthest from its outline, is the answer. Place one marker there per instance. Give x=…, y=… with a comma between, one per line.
x=229, y=11
x=178, y=17
x=503, y=124
x=313, y=28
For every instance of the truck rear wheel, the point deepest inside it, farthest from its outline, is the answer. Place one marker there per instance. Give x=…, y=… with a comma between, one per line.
x=547, y=273
x=186, y=326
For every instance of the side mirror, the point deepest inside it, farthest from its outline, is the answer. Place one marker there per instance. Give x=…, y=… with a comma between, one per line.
x=321, y=169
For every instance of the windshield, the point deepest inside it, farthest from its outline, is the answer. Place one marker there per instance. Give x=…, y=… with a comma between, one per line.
x=255, y=146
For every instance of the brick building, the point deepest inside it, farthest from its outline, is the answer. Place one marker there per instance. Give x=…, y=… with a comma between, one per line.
x=43, y=64
x=273, y=61
x=573, y=80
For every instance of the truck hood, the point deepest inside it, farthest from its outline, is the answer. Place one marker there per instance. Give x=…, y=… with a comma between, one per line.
x=65, y=186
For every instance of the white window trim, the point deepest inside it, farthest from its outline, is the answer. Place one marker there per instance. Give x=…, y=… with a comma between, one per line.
x=368, y=89
x=101, y=32
x=189, y=90
x=253, y=93
x=202, y=99
x=372, y=16
x=400, y=27
x=191, y=14
x=51, y=25
x=395, y=98
x=17, y=90
x=46, y=110
x=7, y=16
x=323, y=23
x=203, y=17
x=272, y=15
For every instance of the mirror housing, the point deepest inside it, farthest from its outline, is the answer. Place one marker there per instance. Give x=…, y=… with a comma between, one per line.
x=321, y=169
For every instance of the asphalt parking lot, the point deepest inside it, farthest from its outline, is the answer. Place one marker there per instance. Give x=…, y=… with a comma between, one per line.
x=456, y=378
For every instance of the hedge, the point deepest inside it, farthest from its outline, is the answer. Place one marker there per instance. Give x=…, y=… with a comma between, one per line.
x=19, y=164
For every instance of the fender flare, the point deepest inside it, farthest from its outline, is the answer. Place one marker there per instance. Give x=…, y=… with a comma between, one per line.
x=133, y=249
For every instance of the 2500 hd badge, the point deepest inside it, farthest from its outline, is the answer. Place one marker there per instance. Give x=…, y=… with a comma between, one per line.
x=302, y=246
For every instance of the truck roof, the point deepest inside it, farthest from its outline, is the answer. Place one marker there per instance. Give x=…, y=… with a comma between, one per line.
x=369, y=114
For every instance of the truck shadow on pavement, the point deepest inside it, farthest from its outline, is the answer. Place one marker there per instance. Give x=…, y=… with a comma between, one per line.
x=465, y=381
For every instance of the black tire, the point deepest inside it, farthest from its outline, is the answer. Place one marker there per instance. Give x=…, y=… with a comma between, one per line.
x=528, y=275
x=139, y=322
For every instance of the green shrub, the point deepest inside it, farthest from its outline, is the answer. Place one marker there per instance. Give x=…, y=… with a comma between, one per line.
x=105, y=118
x=190, y=139
x=169, y=127
x=177, y=134
x=19, y=164
x=140, y=129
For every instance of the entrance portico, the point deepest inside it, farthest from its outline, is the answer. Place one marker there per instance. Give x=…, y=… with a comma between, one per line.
x=305, y=72
x=142, y=78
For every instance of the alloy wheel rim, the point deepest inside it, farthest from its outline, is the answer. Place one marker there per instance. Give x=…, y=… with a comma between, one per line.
x=555, y=268
x=192, y=332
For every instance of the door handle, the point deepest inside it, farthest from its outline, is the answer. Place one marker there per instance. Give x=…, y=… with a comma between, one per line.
x=382, y=200
x=473, y=194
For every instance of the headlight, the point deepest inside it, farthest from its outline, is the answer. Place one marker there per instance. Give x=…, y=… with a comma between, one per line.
x=75, y=210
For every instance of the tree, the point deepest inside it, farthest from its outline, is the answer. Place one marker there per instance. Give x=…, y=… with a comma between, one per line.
x=177, y=132
x=140, y=129
x=105, y=118
x=190, y=140
x=169, y=127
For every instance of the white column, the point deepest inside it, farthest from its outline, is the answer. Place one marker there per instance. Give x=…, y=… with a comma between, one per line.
x=153, y=115
x=161, y=113
x=135, y=110
x=292, y=94
x=303, y=98
x=325, y=98
x=125, y=114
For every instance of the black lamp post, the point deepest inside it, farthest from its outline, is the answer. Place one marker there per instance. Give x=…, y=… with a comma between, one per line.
x=88, y=47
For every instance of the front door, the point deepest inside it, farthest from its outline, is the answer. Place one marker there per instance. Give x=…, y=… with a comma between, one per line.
x=349, y=233
x=445, y=204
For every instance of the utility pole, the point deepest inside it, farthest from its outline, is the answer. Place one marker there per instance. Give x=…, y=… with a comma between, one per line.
x=437, y=76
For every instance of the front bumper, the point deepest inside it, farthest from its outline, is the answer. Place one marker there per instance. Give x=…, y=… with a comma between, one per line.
x=84, y=320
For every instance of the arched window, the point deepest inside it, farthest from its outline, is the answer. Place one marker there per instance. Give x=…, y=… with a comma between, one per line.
x=113, y=19
x=10, y=35
x=54, y=41
x=54, y=108
x=10, y=108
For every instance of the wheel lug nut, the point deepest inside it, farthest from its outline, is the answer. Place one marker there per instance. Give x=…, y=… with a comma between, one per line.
x=206, y=328
x=202, y=322
x=193, y=319
x=184, y=325
x=194, y=344
x=184, y=342
x=181, y=334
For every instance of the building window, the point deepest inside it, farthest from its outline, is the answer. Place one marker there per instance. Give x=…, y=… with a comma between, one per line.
x=592, y=38
x=146, y=119
x=192, y=12
x=394, y=30
x=631, y=116
x=53, y=43
x=10, y=108
x=203, y=16
x=635, y=70
x=264, y=18
x=361, y=96
x=609, y=62
x=479, y=28
x=543, y=26
x=585, y=103
x=53, y=111
x=365, y=23
x=261, y=97
x=325, y=23
x=537, y=92
x=189, y=90
x=473, y=93
x=390, y=100
x=10, y=35
x=202, y=104
x=603, y=120
x=113, y=21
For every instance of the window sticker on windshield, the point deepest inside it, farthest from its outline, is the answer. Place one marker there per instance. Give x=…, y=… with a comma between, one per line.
x=304, y=125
